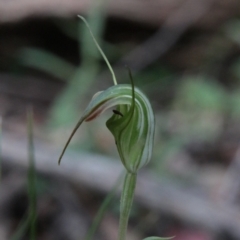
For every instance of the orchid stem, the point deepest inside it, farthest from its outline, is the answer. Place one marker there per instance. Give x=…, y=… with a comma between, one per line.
x=100, y=50
x=126, y=203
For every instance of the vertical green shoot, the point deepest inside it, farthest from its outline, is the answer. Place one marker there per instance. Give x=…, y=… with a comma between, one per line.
x=31, y=178
x=100, y=50
x=21, y=230
x=126, y=203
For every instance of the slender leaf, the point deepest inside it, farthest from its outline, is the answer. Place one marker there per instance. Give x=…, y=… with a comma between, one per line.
x=22, y=229
x=31, y=178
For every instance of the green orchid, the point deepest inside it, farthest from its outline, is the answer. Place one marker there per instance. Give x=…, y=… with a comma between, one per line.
x=132, y=125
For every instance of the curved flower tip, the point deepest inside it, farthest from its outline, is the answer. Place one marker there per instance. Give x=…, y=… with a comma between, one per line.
x=132, y=123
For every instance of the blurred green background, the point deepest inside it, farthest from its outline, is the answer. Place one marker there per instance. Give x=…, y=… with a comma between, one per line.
x=185, y=56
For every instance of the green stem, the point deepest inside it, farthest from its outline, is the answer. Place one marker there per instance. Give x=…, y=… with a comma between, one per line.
x=126, y=203
x=100, y=50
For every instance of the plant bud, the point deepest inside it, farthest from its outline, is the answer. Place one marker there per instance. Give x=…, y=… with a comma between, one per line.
x=132, y=123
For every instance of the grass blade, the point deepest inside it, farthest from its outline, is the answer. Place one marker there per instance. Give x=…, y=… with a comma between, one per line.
x=47, y=62
x=22, y=229
x=31, y=178
x=103, y=208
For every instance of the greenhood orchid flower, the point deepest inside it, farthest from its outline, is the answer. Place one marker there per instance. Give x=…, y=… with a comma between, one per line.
x=132, y=123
